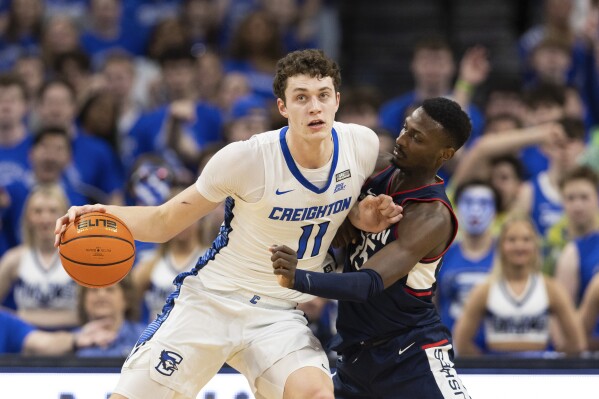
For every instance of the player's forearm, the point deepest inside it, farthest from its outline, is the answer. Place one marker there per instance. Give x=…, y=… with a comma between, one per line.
x=356, y=287
x=146, y=223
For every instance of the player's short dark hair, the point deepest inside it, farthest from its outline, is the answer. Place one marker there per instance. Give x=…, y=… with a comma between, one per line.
x=450, y=115
x=311, y=62
x=50, y=131
x=580, y=173
x=477, y=182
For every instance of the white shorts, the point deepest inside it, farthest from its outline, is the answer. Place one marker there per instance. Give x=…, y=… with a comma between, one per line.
x=207, y=328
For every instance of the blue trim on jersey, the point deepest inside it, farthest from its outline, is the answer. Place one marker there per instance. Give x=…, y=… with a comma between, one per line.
x=221, y=241
x=296, y=172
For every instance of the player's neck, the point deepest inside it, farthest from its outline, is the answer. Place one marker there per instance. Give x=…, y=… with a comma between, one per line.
x=310, y=154
x=404, y=180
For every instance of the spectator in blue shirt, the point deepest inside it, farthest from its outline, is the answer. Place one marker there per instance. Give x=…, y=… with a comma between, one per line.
x=117, y=306
x=16, y=336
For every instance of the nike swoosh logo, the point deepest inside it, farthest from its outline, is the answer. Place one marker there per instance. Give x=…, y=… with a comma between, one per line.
x=406, y=348
x=369, y=192
x=309, y=281
x=283, y=192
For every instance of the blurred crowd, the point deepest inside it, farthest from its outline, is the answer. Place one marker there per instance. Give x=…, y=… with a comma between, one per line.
x=124, y=102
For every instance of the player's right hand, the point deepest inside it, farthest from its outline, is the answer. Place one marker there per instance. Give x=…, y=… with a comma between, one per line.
x=284, y=263
x=74, y=211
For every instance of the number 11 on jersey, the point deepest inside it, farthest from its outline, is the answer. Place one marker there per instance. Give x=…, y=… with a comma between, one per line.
x=306, y=234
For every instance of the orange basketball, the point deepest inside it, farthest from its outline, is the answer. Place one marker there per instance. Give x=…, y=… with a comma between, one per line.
x=97, y=250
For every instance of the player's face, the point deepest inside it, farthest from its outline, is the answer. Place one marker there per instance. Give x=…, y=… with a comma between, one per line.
x=310, y=106
x=519, y=245
x=421, y=143
x=581, y=202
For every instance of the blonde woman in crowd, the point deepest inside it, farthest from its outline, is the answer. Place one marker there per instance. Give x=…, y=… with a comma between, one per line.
x=515, y=303
x=45, y=295
x=154, y=276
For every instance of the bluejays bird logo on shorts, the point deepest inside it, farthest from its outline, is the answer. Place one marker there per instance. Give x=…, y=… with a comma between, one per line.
x=168, y=363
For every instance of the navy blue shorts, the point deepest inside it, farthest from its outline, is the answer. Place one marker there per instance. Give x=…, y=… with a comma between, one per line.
x=418, y=364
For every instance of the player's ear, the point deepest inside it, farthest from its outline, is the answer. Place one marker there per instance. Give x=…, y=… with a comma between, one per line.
x=447, y=153
x=282, y=108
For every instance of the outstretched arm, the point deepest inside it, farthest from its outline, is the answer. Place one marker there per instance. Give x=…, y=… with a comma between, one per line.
x=424, y=232
x=149, y=223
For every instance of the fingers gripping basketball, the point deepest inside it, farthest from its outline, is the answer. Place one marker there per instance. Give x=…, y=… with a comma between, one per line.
x=97, y=250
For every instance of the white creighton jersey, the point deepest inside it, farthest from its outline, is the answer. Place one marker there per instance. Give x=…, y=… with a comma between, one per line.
x=272, y=200
x=518, y=319
x=40, y=287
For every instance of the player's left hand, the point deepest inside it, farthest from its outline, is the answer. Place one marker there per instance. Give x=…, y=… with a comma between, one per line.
x=376, y=213
x=284, y=263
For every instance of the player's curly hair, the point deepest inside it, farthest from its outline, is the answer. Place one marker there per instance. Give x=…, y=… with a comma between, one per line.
x=311, y=62
x=450, y=115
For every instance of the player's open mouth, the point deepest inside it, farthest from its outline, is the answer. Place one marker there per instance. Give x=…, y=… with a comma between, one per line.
x=317, y=124
x=398, y=153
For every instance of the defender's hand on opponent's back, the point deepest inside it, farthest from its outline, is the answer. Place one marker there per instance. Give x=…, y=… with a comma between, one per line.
x=375, y=213
x=74, y=211
x=284, y=263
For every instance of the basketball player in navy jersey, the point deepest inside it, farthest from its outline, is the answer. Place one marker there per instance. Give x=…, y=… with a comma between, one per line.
x=390, y=337
x=295, y=185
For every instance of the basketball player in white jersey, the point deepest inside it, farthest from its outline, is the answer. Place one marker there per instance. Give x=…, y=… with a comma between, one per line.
x=295, y=185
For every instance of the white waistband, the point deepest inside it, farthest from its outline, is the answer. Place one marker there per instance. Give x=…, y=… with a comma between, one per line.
x=248, y=297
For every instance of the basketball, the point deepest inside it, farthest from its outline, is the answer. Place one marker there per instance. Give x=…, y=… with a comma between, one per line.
x=97, y=250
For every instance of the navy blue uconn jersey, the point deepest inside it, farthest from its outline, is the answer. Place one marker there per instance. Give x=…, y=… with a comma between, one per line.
x=408, y=302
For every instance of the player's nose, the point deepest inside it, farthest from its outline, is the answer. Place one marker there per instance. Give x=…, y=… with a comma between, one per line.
x=314, y=105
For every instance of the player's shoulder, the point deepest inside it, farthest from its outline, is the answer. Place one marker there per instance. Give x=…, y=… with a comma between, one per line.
x=360, y=135
x=353, y=128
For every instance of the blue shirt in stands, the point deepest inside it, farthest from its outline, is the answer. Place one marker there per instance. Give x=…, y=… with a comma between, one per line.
x=456, y=278
x=588, y=253
x=13, y=332
x=121, y=346
x=14, y=161
x=148, y=135
x=96, y=170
